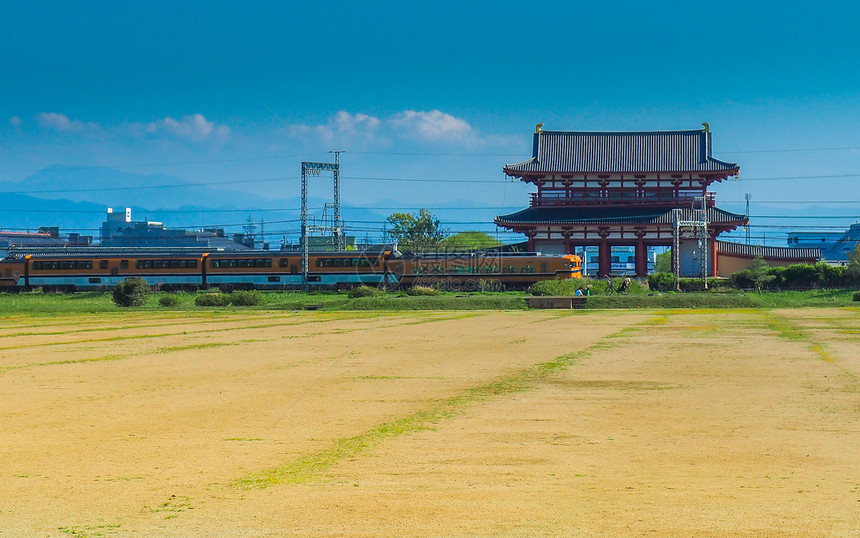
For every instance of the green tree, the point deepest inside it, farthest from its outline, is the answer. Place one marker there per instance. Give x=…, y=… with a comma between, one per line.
x=416, y=233
x=760, y=273
x=131, y=292
x=664, y=262
x=852, y=271
x=469, y=241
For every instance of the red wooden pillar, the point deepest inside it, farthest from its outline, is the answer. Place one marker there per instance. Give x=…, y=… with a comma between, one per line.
x=605, y=256
x=567, y=247
x=531, y=237
x=713, y=256
x=641, y=258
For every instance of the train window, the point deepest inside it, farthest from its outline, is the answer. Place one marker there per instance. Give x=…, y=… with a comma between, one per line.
x=283, y=262
x=509, y=269
x=244, y=263
x=294, y=269
x=527, y=269
x=192, y=264
x=67, y=265
x=174, y=264
x=123, y=264
x=103, y=264
x=264, y=262
x=543, y=267
x=337, y=262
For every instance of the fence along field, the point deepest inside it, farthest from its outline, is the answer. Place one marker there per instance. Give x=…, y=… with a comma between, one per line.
x=671, y=422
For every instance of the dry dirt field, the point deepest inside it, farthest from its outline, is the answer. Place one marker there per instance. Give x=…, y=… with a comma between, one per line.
x=440, y=423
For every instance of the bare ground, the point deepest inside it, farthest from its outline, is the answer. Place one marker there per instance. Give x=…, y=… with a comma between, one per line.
x=444, y=423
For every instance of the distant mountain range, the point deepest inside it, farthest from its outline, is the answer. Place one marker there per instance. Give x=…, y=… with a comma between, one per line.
x=76, y=200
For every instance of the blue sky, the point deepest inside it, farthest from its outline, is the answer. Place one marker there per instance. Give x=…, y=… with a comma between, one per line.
x=402, y=86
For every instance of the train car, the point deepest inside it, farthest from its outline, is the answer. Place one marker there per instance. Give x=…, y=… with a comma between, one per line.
x=495, y=271
x=276, y=270
x=83, y=272
x=12, y=273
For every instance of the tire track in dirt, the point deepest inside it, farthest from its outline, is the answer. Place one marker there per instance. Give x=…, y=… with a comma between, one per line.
x=306, y=468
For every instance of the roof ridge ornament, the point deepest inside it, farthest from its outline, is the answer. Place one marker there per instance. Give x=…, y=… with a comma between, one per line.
x=538, y=128
x=707, y=128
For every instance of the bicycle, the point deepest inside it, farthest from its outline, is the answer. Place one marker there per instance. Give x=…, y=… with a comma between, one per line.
x=622, y=289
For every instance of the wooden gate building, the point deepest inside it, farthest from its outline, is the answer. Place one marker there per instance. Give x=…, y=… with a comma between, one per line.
x=610, y=189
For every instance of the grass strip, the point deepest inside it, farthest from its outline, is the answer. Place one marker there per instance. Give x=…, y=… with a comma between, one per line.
x=305, y=468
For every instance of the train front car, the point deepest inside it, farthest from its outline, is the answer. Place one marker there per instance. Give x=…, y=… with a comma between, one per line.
x=573, y=268
x=487, y=271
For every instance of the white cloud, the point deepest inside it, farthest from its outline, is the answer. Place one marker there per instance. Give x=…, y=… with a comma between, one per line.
x=61, y=123
x=343, y=127
x=15, y=121
x=194, y=127
x=432, y=126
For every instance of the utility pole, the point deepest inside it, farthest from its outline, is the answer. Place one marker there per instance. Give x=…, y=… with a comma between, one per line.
x=747, y=227
x=338, y=223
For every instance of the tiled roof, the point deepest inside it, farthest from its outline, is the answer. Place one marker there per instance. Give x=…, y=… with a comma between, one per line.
x=635, y=215
x=771, y=253
x=622, y=152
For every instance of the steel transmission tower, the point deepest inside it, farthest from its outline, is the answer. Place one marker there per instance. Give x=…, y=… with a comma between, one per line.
x=314, y=169
x=698, y=225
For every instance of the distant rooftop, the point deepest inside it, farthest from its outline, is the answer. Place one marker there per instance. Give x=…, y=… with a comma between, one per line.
x=622, y=152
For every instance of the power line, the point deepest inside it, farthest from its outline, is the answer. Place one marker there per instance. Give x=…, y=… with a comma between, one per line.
x=358, y=178
x=792, y=150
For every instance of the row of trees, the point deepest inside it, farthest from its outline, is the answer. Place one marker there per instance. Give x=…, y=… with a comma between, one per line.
x=423, y=232
x=760, y=275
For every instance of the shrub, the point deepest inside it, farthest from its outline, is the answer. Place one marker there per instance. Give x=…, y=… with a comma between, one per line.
x=168, y=300
x=421, y=290
x=568, y=286
x=212, y=299
x=363, y=291
x=131, y=292
x=857, y=295
x=246, y=298
x=661, y=281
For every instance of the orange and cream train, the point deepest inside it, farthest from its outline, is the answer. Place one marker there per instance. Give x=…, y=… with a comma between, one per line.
x=282, y=270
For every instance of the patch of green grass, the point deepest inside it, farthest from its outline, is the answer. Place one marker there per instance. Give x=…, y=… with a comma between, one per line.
x=57, y=363
x=87, y=531
x=171, y=349
x=382, y=377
